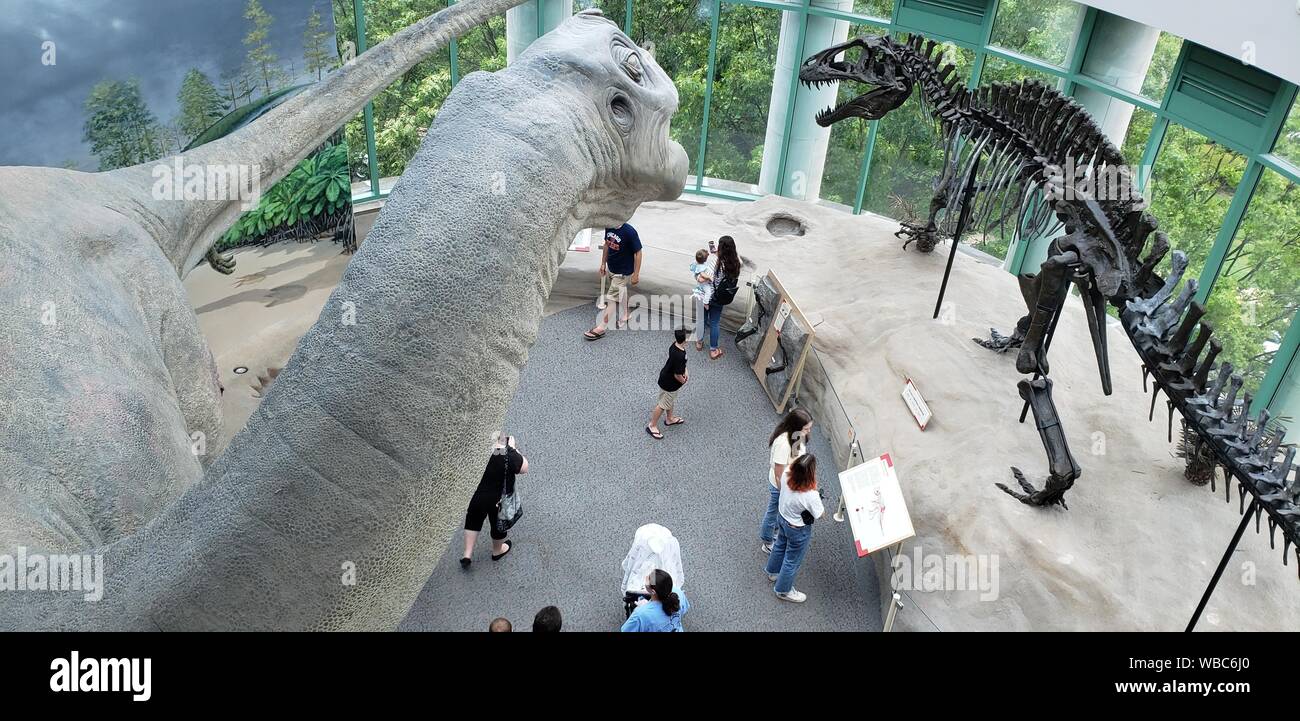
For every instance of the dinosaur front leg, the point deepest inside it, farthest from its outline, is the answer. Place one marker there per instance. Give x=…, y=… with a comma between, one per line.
x=1002, y=343
x=925, y=236
x=1062, y=469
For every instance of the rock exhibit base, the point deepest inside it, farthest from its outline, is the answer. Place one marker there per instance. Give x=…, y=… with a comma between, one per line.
x=1139, y=543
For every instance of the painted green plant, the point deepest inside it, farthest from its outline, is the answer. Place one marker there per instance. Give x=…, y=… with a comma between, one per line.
x=317, y=188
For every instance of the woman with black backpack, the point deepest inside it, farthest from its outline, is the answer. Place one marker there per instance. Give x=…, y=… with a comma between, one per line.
x=497, y=483
x=726, y=282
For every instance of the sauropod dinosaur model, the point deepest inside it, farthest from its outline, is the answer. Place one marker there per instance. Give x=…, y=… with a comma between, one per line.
x=331, y=507
x=1035, y=156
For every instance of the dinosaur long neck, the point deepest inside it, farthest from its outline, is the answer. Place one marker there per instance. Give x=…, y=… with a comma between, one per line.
x=379, y=426
x=271, y=147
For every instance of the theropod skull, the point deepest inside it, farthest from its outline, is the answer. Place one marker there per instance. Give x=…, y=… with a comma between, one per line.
x=877, y=63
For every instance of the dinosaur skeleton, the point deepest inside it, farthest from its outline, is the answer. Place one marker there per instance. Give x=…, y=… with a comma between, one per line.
x=1042, y=168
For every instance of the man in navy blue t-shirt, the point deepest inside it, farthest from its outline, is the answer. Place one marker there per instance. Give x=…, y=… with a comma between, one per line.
x=621, y=259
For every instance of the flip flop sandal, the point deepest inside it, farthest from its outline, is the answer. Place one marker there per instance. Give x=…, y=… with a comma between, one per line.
x=715, y=354
x=677, y=422
x=510, y=546
x=591, y=335
x=654, y=434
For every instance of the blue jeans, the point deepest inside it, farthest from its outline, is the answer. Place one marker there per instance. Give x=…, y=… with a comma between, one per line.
x=767, y=529
x=713, y=318
x=787, y=553
x=697, y=333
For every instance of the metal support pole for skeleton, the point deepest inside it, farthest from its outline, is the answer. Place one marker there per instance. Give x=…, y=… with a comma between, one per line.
x=967, y=194
x=1223, y=562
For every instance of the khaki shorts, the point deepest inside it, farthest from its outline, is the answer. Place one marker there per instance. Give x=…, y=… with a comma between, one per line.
x=667, y=399
x=617, y=289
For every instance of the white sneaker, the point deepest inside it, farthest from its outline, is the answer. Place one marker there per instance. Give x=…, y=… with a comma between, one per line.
x=767, y=548
x=772, y=577
x=794, y=596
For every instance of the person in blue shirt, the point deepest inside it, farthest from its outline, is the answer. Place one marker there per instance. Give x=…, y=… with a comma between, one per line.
x=663, y=612
x=621, y=260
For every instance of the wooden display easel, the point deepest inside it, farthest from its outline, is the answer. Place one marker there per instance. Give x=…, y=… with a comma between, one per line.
x=771, y=338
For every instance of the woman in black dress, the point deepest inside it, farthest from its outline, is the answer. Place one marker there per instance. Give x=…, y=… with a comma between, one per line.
x=498, y=478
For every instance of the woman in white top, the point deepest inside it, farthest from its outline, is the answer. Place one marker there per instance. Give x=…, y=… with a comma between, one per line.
x=799, y=506
x=787, y=443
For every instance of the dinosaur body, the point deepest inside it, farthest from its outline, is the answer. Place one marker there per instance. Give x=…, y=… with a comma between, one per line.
x=1039, y=166
x=364, y=452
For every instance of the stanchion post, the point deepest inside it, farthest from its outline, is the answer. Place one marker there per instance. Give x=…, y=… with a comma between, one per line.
x=894, y=604
x=838, y=516
x=1223, y=563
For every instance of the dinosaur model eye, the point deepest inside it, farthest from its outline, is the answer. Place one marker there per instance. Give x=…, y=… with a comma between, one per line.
x=632, y=66
x=629, y=60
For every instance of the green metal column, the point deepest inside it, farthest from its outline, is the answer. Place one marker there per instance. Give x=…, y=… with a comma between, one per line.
x=455, y=55
x=359, y=18
x=715, y=12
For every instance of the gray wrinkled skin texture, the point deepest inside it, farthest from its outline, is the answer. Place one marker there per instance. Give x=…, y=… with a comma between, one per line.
x=370, y=442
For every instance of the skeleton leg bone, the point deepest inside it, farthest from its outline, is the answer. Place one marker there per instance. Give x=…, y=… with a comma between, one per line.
x=1062, y=469
x=1052, y=283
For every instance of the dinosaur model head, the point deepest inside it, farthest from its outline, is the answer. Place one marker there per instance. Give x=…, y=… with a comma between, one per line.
x=625, y=101
x=878, y=62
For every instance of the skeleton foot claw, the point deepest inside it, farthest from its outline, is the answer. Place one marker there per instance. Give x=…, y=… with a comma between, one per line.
x=1033, y=496
x=997, y=342
x=924, y=236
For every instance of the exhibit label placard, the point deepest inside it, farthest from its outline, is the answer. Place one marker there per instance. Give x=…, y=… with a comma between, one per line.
x=916, y=404
x=582, y=241
x=874, y=502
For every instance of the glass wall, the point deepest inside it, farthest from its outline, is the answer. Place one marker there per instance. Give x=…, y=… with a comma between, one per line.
x=1001, y=70
x=406, y=109
x=1191, y=187
x=1257, y=292
x=908, y=155
x=1231, y=208
x=874, y=8
x=742, y=91
x=1288, y=142
x=677, y=31
x=1162, y=66
x=846, y=150
x=1040, y=29
x=345, y=31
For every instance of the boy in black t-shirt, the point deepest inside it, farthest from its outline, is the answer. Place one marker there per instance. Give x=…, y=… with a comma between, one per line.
x=671, y=379
x=621, y=260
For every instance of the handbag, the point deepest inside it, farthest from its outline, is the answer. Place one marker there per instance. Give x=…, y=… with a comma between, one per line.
x=511, y=507
x=724, y=287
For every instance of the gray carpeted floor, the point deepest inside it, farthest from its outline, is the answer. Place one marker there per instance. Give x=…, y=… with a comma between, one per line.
x=579, y=417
